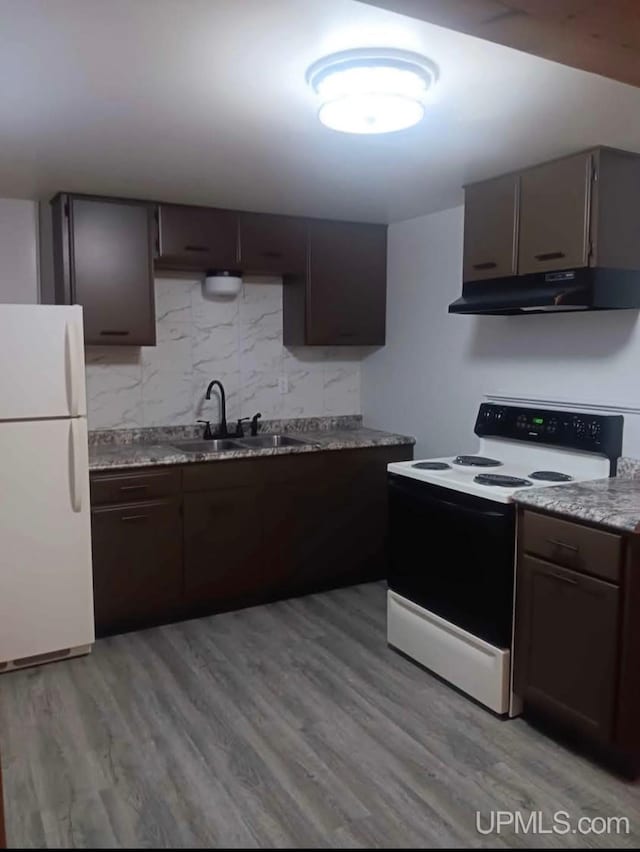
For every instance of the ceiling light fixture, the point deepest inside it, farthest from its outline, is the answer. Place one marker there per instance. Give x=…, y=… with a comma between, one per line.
x=372, y=90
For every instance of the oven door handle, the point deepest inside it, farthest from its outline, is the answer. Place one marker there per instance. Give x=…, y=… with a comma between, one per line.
x=438, y=502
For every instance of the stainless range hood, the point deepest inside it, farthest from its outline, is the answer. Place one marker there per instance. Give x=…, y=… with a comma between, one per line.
x=586, y=289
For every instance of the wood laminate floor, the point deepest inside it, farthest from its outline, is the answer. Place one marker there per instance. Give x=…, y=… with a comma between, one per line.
x=288, y=725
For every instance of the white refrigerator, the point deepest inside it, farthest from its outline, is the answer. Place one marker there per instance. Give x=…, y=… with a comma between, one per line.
x=46, y=598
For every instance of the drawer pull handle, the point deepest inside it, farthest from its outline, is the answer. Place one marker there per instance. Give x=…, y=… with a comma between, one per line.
x=272, y=254
x=133, y=487
x=562, y=544
x=196, y=248
x=108, y=332
x=549, y=255
x=489, y=264
x=134, y=517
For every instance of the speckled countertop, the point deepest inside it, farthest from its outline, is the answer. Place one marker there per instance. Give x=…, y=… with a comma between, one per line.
x=146, y=454
x=613, y=503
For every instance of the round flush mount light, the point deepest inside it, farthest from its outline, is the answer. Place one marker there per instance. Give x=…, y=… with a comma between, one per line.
x=372, y=90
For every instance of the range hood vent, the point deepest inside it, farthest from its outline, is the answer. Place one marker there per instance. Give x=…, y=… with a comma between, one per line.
x=584, y=289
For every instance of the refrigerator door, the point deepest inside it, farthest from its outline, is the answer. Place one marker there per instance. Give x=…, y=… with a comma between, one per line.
x=46, y=598
x=42, y=354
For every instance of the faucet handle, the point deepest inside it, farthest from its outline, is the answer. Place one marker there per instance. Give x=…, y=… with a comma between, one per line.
x=239, y=429
x=207, y=435
x=254, y=423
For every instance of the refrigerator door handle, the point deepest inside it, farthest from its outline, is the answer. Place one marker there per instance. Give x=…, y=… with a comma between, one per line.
x=76, y=479
x=74, y=360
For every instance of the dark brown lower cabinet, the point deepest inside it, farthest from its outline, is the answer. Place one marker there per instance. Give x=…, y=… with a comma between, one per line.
x=251, y=530
x=137, y=563
x=223, y=558
x=568, y=645
x=577, y=634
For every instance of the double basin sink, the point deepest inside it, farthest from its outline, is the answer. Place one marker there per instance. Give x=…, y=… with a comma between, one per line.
x=225, y=445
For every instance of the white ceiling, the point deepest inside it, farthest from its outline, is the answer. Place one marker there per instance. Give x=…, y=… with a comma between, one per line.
x=205, y=101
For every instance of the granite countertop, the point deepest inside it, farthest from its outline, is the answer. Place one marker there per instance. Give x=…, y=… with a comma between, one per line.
x=613, y=503
x=162, y=452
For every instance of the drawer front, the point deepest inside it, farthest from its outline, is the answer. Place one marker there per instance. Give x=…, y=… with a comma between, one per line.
x=128, y=487
x=576, y=546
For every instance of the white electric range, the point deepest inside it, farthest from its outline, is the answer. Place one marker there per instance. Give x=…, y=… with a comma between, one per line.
x=452, y=538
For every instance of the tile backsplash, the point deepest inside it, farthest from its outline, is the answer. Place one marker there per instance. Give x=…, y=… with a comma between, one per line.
x=238, y=342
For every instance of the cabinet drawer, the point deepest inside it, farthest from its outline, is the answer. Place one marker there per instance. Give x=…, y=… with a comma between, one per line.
x=580, y=547
x=128, y=487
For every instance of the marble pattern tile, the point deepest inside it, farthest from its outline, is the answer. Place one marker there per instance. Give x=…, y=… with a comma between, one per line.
x=238, y=341
x=342, y=379
x=173, y=300
x=261, y=393
x=114, y=387
x=167, y=373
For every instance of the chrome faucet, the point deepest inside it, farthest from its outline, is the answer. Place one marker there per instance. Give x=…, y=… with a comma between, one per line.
x=222, y=432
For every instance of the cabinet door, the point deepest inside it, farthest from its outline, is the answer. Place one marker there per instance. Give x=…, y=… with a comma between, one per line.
x=272, y=245
x=110, y=263
x=137, y=563
x=555, y=212
x=224, y=562
x=346, y=288
x=197, y=238
x=294, y=536
x=566, y=645
x=490, y=229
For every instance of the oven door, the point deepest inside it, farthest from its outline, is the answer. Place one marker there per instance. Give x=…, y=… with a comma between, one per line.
x=453, y=554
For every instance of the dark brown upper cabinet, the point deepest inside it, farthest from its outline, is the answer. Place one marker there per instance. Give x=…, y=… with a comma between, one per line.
x=567, y=214
x=555, y=215
x=106, y=251
x=103, y=260
x=272, y=245
x=342, y=298
x=491, y=228
x=196, y=238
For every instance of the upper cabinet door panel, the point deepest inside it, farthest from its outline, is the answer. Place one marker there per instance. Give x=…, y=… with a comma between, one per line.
x=555, y=207
x=198, y=238
x=490, y=229
x=346, y=288
x=272, y=245
x=110, y=250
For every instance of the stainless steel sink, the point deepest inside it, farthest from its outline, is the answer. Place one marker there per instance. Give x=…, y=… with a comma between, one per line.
x=218, y=445
x=271, y=441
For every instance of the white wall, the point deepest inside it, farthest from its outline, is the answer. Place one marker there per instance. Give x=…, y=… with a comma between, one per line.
x=436, y=367
x=18, y=251
x=238, y=342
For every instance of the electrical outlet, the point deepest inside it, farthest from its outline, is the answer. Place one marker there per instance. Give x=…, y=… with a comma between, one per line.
x=283, y=384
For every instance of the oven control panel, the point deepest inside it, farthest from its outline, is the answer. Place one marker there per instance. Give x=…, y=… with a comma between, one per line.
x=595, y=433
